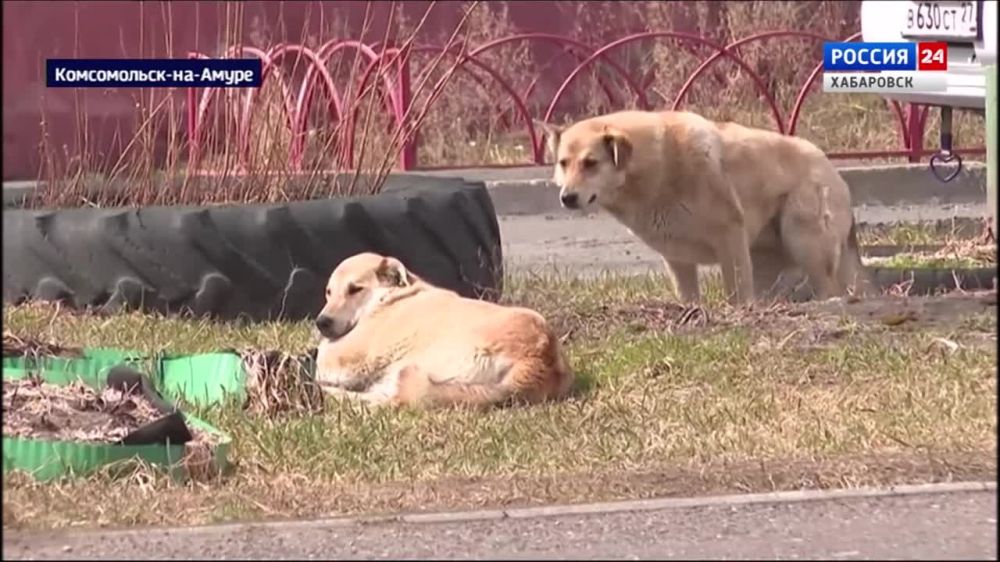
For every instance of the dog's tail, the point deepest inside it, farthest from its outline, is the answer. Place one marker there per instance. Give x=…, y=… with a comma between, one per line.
x=468, y=395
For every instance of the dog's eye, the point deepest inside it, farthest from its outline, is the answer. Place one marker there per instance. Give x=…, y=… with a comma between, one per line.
x=353, y=289
x=328, y=292
x=563, y=163
x=589, y=163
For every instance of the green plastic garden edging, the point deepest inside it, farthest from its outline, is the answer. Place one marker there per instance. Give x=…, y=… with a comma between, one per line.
x=196, y=379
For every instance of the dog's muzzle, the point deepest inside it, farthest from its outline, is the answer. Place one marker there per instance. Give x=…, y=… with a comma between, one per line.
x=570, y=200
x=330, y=329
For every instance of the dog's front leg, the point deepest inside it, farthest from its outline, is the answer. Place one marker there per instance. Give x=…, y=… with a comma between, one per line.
x=737, y=267
x=338, y=392
x=685, y=279
x=367, y=397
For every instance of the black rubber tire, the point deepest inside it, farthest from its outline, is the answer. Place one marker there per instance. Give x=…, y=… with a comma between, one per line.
x=259, y=262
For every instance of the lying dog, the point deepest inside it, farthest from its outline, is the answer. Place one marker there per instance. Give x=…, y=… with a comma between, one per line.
x=758, y=203
x=390, y=338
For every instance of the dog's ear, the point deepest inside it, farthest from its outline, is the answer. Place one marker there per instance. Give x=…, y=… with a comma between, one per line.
x=551, y=133
x=618, y=147
x=391, y=272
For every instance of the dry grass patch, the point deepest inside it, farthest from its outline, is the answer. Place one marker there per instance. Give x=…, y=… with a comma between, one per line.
x=74, y=412
x=30, y=347
x=669, y=407
x=279, y=383
x=957, y=231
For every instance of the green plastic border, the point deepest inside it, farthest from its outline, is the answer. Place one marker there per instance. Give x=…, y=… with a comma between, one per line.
x=200, y=380
x=196, y=379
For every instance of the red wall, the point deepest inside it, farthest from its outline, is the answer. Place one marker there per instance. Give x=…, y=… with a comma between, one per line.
x=34, y=31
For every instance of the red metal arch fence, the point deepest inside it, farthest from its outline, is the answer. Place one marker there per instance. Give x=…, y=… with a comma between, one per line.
x=393, y=68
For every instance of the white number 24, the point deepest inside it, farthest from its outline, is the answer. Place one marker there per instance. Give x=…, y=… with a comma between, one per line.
x=932, y=56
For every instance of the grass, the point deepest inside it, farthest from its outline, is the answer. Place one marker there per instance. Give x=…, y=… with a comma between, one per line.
x=942, y=245
x=673, y=403
x=918, y=261
x=923, y=233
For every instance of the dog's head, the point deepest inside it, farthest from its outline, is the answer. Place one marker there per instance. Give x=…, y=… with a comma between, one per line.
x=357, y=287
x=591, y=159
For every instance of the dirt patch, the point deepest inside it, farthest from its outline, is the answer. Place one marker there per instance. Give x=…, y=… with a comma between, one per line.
x=818, y=321
x=669, y=481
x=74, y=412
x=917, y=312
x=661, y=316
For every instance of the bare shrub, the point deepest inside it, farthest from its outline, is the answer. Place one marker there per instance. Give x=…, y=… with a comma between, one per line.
x=458, y=113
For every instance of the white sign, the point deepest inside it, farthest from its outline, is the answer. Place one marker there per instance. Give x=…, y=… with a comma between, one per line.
x=942, y=20
x=884, y=82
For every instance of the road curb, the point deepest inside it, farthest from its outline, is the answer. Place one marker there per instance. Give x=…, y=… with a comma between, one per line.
x=528, y=190
x=794, y=496
x=874, y=185
x=655, y=504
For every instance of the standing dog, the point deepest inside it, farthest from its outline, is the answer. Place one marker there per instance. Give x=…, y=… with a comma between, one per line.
x=701, y=192
x=390, y=338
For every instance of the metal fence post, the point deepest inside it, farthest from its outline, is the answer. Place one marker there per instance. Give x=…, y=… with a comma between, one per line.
x=991, y=142
x=915, y=130
x=408, y=155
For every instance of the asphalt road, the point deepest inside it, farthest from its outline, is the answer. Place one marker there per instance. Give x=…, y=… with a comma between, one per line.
x=589, y=244
x=955, y=526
